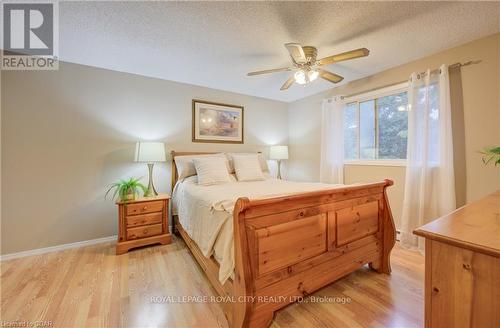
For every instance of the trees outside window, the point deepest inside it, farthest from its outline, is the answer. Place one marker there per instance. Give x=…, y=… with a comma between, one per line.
x=376, y=128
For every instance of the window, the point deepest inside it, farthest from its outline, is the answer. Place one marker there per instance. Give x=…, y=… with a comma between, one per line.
x=376, y=126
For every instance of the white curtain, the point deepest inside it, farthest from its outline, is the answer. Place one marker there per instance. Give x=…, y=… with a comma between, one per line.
x=332, y=141
x=430, y=181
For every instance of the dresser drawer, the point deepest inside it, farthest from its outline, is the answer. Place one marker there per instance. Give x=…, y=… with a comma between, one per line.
x=142, y=208
x=144, y=219
x=144, y=231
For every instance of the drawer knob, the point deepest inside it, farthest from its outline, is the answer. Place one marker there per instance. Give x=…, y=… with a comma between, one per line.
x=145, y=231
x=144, y=208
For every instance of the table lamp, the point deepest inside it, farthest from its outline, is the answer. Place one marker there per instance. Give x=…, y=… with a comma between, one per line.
x=150, y=152
x=278, y=153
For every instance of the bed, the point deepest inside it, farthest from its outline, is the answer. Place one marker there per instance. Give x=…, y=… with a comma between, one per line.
x=266, y=244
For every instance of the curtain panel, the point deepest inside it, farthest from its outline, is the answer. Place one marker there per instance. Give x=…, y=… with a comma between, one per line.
x=430, y=181
x=332, y=141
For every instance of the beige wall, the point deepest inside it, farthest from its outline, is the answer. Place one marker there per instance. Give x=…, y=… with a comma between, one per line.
x=481, y=108
x=68, y=134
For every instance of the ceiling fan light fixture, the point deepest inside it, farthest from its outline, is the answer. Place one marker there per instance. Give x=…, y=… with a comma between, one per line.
x=300, y=77
x=313, y=75
x=304, y=77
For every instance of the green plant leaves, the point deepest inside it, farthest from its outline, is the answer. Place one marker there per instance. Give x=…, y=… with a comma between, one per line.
x=491, y=155
x=122, y=188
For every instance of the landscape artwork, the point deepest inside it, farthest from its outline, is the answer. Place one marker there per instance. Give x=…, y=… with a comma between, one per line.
x=214, y=122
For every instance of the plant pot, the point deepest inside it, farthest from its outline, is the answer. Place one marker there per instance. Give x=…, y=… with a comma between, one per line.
x=130, y=195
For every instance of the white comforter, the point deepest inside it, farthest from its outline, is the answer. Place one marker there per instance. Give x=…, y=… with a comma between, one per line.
x=205, y=212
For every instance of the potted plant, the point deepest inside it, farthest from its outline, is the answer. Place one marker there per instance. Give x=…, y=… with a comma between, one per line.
x=127, y=190
x=491, y=154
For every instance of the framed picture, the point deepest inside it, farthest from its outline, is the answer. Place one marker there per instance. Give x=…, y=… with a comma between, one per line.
x=214, y=122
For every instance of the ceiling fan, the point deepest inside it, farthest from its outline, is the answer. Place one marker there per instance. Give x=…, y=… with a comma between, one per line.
x=307, y=68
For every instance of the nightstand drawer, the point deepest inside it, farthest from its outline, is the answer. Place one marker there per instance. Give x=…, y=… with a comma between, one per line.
x=144, y=219
x=145, y=231
x=142, y=208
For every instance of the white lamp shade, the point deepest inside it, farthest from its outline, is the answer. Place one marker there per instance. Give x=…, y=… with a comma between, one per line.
x=150, y=152
x=278, y=152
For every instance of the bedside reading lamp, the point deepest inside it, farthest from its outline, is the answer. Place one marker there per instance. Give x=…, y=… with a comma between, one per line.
x=278, y=153
x=150, y=152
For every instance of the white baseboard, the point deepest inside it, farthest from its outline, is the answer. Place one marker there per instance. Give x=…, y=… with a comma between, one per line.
x=56, y=248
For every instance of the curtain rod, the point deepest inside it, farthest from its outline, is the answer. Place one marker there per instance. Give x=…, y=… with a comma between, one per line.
x=437, y=70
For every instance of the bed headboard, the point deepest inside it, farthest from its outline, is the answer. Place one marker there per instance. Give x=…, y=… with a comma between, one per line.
x=174, y=153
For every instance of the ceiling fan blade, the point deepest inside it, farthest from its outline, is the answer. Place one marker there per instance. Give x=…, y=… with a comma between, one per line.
x=267, y=71
x=288, y=83
x=296, y=52
x=362, y=52
x=329, y=76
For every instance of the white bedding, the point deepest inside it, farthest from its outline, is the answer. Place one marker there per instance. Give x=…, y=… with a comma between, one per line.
x=205, y=212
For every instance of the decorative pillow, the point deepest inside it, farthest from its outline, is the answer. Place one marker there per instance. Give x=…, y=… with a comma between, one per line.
x=185, y=165
x=262, y=161
x=211, y=170
x=247, y=167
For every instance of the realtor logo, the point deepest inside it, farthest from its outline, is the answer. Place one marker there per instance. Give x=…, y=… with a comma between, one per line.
x=30, y=36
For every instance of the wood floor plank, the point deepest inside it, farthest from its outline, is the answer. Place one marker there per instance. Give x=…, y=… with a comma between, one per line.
x=92, y=287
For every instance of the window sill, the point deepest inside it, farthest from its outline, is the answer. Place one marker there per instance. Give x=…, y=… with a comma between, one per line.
x=376, y=163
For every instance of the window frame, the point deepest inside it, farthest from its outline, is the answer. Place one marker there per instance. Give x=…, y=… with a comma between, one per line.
x=373, y=95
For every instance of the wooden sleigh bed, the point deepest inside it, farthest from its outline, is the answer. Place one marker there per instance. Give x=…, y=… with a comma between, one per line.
x=288, y=247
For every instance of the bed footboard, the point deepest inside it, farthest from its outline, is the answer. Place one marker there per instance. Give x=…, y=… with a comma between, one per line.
x=288, y=247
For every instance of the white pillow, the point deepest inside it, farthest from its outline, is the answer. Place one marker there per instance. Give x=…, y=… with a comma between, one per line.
x=211, y=170
x=262, y=161
x=185, y=165
x=247, y=167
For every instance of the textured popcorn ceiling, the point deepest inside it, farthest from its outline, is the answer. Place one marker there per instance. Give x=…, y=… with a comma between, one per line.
x=215, y=44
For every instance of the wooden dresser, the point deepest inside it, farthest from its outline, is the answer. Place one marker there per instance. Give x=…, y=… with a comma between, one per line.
x=141, y=222
x=462, y=266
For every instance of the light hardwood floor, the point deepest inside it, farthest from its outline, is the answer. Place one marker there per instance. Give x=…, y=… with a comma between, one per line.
x=92, y=287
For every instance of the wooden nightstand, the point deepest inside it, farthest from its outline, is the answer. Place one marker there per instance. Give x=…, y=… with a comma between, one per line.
x=141, y=222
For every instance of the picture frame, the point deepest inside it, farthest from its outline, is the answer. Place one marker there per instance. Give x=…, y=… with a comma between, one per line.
x=217, y=122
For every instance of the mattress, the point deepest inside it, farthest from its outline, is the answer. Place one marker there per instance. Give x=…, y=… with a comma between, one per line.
x=205, y=212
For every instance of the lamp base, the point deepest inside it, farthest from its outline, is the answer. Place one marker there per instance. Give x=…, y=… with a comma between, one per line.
x=151, y=192
x=279, y=170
